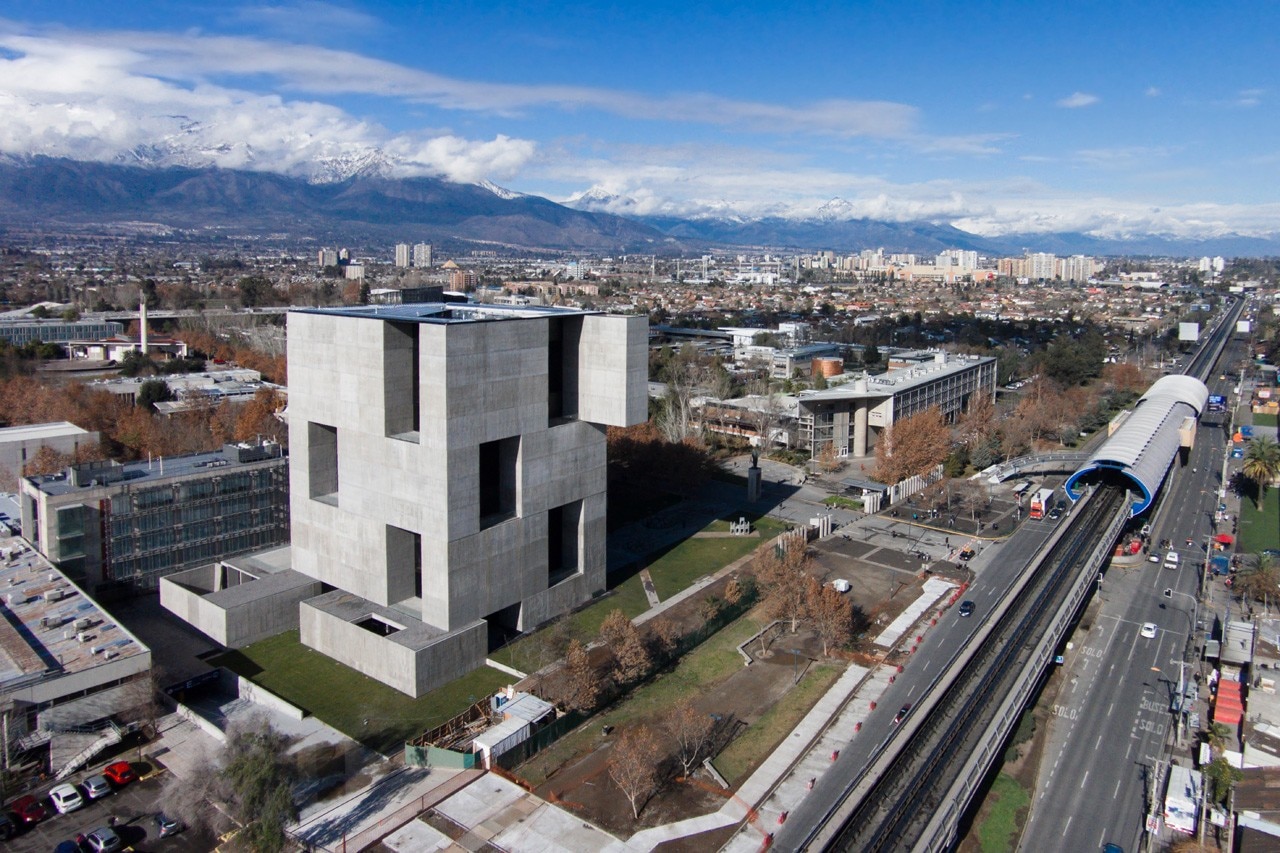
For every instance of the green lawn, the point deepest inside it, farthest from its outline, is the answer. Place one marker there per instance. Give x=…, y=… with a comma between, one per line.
x=354, y=704
x=998, y=832
x=672, y=572
x=675, y=570
x=762, y=737
x=705, y=666
x=1264, y=420
x=1259, y=530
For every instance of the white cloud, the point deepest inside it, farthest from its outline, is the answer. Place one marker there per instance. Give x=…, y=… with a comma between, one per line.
x=88, y=102
x=194, y=58
x=314, y=15
x=1153, y=92
x=1249, y=97
x=1078, y=99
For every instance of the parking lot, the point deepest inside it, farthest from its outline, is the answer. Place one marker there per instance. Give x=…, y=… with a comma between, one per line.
x=133, y=807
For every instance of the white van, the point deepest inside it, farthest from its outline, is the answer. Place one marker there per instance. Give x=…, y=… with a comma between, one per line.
x=1171, y=560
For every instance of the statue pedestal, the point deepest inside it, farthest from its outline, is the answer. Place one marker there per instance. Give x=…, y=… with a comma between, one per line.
x=753, y=483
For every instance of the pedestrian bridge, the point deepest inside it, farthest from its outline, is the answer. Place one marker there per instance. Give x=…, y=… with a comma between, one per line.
x=1058, y=462
x=1140, y=452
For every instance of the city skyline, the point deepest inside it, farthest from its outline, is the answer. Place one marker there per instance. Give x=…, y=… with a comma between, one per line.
x=1117, y=119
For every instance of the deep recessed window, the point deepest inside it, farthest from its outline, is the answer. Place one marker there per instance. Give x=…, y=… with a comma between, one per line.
x=400, y=382
x=322, y=461
x=498, y=480
x=564, y=335
x=404, y=564
x=564, y=524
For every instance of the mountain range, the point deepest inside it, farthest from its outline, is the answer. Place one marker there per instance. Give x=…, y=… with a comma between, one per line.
x=354, y=200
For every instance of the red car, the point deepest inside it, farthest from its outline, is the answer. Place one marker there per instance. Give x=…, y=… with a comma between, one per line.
x=28, y=809
x=120, y=773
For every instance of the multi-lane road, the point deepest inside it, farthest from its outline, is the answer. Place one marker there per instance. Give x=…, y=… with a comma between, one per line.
x=997, y=568
x=1113, y=717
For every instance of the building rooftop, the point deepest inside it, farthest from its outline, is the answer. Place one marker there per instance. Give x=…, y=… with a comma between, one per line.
x=36, y=432
x=153, y=471
x=902, y=379
x=445, y=313
x=51, y=628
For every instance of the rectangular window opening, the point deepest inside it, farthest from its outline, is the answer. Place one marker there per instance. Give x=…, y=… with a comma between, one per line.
x=322, y=462
x=404, y=564
x=400, y=381
x=498, y=462
x=564, y=526
x=564, y=336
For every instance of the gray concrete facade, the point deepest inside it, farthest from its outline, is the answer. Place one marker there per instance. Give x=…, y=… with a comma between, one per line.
x=449, y=474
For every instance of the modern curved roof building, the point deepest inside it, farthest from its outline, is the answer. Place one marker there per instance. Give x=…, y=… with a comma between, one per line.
x=1142, y=448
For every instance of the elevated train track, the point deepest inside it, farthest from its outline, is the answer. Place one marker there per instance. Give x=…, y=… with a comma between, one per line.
x=912, y=794
x=897, y=806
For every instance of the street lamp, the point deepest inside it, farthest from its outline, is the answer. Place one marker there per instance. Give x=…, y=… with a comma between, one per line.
x=795, y=666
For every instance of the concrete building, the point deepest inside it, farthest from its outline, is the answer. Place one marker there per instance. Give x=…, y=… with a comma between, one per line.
x=118, y=528
x=447, y=481
x=848, y=417
x=64, y=662
x=402, y=255
x=422, y=255
x=20, y=444
x=19, y=332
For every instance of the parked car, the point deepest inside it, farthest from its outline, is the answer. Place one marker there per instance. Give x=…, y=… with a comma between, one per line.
x=65, y=798
x=8, y=828
x=103, y=840
x=120, y=773
x=167, y=826
x=28, y=809
x=96, y=786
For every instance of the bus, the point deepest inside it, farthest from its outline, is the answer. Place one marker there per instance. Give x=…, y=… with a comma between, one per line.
x=1041, y=503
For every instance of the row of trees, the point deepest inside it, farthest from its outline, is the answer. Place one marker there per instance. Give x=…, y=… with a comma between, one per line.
x=133, y=432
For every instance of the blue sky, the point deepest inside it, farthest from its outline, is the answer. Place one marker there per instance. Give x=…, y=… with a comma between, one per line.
x=1106, y=117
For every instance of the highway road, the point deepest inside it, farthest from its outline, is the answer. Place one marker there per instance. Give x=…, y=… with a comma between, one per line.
x=1113, y=719
x=996, y=568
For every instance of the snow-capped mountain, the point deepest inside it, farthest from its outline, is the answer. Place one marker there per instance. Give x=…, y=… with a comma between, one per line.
x=500, y=192
x=186, y=143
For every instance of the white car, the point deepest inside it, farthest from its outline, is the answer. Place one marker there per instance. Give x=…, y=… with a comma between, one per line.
x=841, y=585
x=1149, y=630
x=65, y=798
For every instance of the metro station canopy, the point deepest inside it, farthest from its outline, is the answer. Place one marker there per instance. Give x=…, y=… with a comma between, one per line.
x=1143, y=447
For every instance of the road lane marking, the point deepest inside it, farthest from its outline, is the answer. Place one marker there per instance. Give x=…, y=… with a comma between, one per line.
x=1085, y=780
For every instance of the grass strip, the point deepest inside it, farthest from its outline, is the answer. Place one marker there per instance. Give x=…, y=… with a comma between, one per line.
x=1008, y=801
x=736, y=761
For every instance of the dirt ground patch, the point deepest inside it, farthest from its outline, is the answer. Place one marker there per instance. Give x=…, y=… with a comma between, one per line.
x=583, y=784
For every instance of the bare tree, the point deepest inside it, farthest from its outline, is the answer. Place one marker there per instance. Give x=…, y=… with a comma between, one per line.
x=782, y=573
x=691, y=731
x=582, y=685
x=831, y=615
x=629, y=649
x=633, y=767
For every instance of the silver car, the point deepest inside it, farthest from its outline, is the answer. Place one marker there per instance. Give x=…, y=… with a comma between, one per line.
x=96, y=786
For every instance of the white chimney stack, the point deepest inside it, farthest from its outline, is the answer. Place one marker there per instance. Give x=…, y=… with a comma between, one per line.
x=142, y=321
